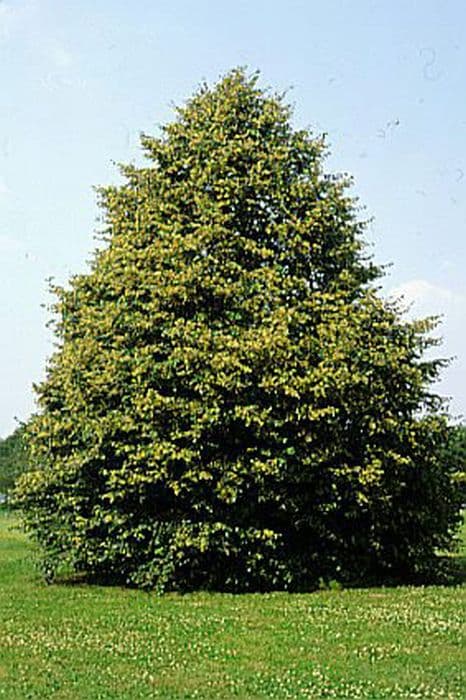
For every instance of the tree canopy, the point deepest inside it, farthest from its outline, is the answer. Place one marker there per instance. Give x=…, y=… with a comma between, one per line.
x=231, y=403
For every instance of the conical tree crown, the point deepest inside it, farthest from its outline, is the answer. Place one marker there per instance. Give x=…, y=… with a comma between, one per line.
x=230, y=403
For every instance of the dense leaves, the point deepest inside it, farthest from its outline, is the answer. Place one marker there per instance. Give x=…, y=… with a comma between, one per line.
x=231, y=404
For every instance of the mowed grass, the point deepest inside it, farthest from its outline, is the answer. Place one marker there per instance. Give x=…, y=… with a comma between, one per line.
x=69, y=642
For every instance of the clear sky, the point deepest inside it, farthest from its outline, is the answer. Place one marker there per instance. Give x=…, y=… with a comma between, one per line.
x=79, y=80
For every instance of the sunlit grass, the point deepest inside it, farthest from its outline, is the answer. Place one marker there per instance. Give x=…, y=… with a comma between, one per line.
x=74, y=642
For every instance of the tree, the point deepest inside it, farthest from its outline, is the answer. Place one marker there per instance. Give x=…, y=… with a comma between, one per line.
x=231, y=404
x=456, y=456
x=13, y=460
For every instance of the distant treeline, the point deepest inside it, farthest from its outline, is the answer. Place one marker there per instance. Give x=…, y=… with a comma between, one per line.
x=13, y=460
x=457, y=454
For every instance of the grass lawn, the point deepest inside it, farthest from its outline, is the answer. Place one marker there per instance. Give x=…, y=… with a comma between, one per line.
x=74, y=642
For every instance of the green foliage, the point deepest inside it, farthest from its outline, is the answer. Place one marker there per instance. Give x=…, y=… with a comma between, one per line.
x=231, y=405
x=13, y=460
x=456, y=456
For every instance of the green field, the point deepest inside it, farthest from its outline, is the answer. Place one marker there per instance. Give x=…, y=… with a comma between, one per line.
x=73, y=642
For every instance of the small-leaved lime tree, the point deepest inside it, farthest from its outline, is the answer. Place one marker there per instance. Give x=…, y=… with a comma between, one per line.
x=230, y=404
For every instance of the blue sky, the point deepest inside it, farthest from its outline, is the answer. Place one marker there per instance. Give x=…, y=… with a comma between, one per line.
x=79, y=81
